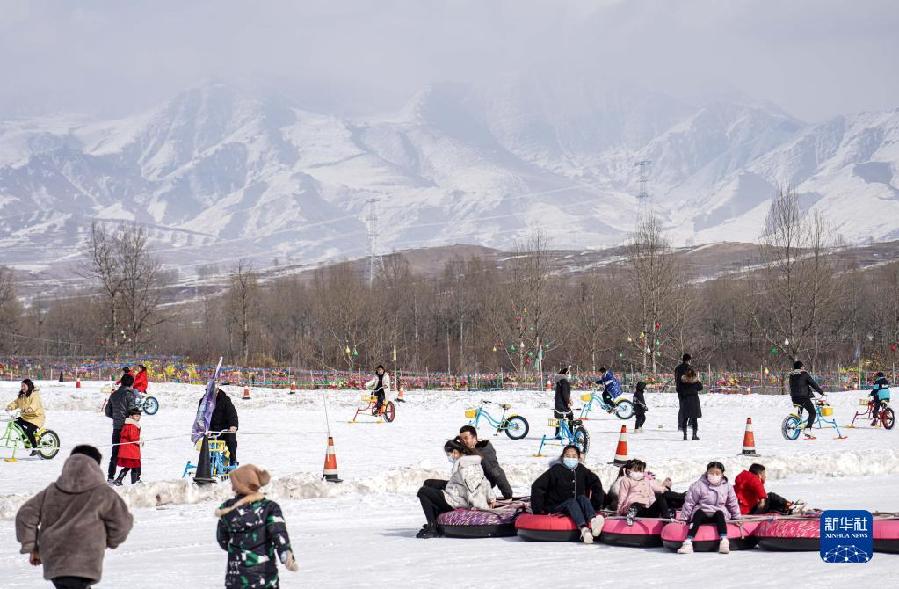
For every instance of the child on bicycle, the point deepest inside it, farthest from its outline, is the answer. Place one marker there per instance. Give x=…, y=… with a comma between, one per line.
x=640, y=407
x=611, y=385
x=31, y=412
x=565, y=487
x=642, y=496
x=880, y=393
x=129, y=450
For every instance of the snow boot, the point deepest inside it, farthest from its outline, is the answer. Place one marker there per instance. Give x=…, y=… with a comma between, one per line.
x=596, y=525
x=638, y=430
x=586, y=535
x=686, y=547
x=631, y=515
x=724, y=546
x=428, y=531
x=685, y=435
x=695, y=437
x=118, y=480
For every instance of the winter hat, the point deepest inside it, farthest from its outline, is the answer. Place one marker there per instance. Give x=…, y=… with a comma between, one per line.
x=641, y=386
x=248, y=478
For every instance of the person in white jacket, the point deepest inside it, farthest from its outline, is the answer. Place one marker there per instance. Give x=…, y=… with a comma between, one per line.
x=379, y=387
x=467, y=487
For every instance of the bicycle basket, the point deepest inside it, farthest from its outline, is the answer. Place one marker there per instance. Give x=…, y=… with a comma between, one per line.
x=552, y=422
x=863, y=402
x=470, y=413
x=826, y=411
x=586, y=397
x=368, y=399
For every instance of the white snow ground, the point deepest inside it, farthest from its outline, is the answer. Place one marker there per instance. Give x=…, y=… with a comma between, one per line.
x=361, y=533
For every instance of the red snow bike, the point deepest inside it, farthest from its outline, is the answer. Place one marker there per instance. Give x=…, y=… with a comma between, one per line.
x=386, y=412
x=886, y=416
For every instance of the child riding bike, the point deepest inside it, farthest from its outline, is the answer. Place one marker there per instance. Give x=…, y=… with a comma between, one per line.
x=31, y=412
x=880, y=393
x=801, y=387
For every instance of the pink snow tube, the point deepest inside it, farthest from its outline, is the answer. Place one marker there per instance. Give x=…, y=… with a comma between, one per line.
x=790, y=534
x=886, y=535
x=552, y=527
x=645, y=533
x=707, y=539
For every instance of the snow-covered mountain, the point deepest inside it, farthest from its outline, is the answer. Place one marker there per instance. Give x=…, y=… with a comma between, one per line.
x=217, y=174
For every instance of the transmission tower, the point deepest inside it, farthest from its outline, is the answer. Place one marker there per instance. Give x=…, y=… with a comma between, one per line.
x=374, y=260
x=644, y=166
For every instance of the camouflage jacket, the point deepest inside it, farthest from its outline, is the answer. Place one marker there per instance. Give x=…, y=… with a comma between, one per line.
x=253, y=531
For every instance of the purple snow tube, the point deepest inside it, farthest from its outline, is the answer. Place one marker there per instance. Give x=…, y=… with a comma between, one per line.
x=471, y=523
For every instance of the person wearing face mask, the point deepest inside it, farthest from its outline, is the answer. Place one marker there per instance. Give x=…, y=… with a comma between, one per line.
x=571, y=488
x=642, y=496
x=710, y=500
x=467, y=487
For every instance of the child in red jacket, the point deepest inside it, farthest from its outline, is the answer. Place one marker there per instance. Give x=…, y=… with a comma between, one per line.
x=752, y=497
x=129, y=451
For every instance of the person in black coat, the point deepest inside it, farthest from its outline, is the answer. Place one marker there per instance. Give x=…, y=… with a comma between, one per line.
x=224, y=419
x=640, y=407
x=570, y=487
x=563, y=398
x=801, y=386
x=679, y=372
x=120, y=403
x=692, y=411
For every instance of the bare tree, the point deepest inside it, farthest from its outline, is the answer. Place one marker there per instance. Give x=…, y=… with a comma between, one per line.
x=10, y=309
x=140, y=283
x=242, y=297
x=104, y=266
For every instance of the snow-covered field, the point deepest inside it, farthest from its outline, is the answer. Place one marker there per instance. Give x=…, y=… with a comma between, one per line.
x=361, y=533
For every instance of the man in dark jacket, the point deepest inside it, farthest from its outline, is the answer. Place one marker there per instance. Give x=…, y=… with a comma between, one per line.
x=492, y=470
x=224, y=419
x=560, y=483
x=679, y=373
x=563, y=397
x=120, y=402
x=801, y=387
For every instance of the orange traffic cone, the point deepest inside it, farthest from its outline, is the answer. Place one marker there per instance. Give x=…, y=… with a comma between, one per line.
x=399, y=396
x=77, y=383
x=246, y=393
x=329, y=473
x=749, y=439
x=549, y=385
x=621, y=450
x=293, y=388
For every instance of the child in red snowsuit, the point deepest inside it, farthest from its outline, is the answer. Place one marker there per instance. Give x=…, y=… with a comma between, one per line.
x=129, y=451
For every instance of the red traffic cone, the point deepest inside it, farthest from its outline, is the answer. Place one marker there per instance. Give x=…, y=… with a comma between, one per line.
x=329, y=472
x=77, y=383
x=621, y=449
x=399, y=396
x=246, y=393
x=749, y=439
x=293, y=388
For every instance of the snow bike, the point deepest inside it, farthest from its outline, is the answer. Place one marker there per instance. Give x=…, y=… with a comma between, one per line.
x=146, y=403
x=14, y=437
x=515, y=426
x=794, y=423
x=620, y=407
x=886, y=416
x=387, y=412
x=219, y=458
x=571, y=432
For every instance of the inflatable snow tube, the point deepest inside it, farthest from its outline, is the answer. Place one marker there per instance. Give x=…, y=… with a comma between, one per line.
x=886, y=535
x=470, y=523
x=547, y=528
x=645, y=533
x=707, y=539
x=790, y=534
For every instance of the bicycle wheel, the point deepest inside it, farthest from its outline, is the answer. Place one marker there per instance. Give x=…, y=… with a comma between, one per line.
x=151, y=405
x=887, y=418
x=516, y=427
x=582, y=439
x=389, y=411
x=624, y=410
x=790, y=427
x=48, y=445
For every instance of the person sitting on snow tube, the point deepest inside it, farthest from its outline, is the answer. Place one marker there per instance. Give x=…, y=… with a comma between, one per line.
x=466, y=487
x=752, y=497
x=564, y=488
x=642, y=496
x=468, y=435
x=710, y=500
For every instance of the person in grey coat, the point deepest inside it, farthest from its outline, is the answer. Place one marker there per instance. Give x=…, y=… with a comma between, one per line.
x=120, y=402
x=492, y=470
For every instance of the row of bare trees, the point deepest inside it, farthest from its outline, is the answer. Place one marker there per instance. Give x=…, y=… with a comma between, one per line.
x=523, y=314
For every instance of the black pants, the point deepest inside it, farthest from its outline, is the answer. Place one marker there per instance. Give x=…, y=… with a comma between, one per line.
x=562, y=415
x=808, y=406
x=681, y=420
x=135, y=474
x=71, y=583
x=657, y=509
x=379, y=395
x=691, y=422
x=674, y=499
x=774, y=504
x=640, y=414
x=438, y=484
x=230, y=439
x=433, y=503
x=701, y=517
x=877, y=404
x=30, y=429
x=114, y=453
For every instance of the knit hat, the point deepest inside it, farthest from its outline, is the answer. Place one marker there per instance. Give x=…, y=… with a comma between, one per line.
x=248, y=478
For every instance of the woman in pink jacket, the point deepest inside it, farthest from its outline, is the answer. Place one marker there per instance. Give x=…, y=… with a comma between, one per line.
x=710, y=500
x=640, y=495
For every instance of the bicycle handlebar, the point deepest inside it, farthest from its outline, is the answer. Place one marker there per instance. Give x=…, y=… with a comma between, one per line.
x=486, y=402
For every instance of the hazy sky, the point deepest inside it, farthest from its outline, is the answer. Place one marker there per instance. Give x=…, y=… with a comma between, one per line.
x=814, y=58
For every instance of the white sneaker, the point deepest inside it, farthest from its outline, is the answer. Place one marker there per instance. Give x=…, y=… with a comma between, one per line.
x=596, y=525
x=724, y=546
x=686, y=547
x=638, y=430
x=586, y=535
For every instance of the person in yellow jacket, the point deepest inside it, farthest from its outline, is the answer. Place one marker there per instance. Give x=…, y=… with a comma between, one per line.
x=31, y=411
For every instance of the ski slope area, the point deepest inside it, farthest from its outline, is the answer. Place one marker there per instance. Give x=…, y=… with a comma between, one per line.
x=361, y=533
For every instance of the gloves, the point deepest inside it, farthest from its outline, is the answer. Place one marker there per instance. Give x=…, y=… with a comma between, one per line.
x=291, y=563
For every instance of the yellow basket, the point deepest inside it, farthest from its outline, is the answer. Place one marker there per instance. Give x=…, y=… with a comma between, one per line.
x=586, y=397
x=368, y=399
x=863, y=402
x=470, y=413
x=826, y=411
x=552, y=422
